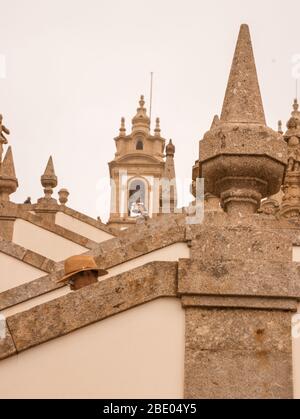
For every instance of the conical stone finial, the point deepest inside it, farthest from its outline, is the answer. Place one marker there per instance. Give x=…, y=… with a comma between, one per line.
x=8, y=166
x=243, y=103
x=49, y=179
x=8, y=179
x=241, y=159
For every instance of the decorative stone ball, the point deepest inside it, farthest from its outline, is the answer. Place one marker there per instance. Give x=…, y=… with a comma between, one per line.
x=293, y=123
x=294, y=141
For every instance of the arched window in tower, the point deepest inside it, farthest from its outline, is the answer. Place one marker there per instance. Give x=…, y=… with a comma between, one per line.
x=140, y=145
x=137, y=198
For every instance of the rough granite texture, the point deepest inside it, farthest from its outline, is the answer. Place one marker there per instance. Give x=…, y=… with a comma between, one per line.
x=241, y=159
x=240, y=286
x=243, y=101
x=7, y=347
x=238, y=354
x=258, y=303
x=240, y=278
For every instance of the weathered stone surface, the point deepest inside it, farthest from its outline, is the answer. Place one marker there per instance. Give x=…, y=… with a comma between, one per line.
x=240, y=278
x=239, y=330
x=6, y=228
x=241, y=302
x=243, y=241
x=8, y=180
x=239, y=289
x=240, y=159
x=290, y=205
x=239, y=375
x=7, y=347
x=27, y=291
x=91, y=304
x=238, y=354
x=243, y=101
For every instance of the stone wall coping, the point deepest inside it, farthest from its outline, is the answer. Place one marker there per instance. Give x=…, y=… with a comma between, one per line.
x=131, y=244
x=239, y=278
x=27, y=256
x=97, y=302
x=236, y=302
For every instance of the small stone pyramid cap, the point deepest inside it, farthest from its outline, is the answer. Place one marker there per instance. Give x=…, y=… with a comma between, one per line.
x=49, y=174
x=8, y=180
x=49, y=179
x=243, y=103
x=215, y=122
x=8, y=167
x=49, y=171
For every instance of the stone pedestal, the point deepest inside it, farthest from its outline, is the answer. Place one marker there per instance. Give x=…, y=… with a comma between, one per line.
x=47, y=209
x=7, y=227
x=238, y=353
x=8, y=216
x=239, y=291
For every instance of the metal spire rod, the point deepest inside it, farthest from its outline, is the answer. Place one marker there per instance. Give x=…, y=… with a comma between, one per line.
x=151, y=96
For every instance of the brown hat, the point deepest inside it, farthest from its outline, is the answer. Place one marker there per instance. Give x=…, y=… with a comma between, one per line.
x=76, y=264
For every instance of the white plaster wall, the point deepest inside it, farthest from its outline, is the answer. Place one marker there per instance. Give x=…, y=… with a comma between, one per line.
x=82, y=228
x=14, y=272
x=44, y=242
x=296, y=357
x=296, y=339
x=296, y=253
x=168, y=254
x=136, y=354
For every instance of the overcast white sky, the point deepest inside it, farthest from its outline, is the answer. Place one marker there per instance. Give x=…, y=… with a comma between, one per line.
x=74, y=67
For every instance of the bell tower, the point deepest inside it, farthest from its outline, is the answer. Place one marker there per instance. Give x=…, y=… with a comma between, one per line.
x=142, y=161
